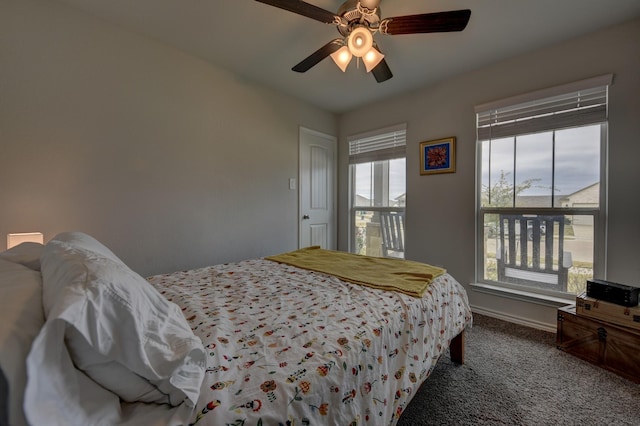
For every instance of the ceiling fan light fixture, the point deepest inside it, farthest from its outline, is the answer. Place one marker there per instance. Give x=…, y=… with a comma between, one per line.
x=372, y=58
x=360, y=41
x=342, y=57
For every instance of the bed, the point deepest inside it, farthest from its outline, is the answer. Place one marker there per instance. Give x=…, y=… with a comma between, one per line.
x=262, y=341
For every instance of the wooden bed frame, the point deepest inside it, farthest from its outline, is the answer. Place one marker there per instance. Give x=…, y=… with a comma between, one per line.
x=456, y=348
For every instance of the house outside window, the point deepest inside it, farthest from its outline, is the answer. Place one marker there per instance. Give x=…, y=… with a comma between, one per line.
x=377, y=169
x=541, y=189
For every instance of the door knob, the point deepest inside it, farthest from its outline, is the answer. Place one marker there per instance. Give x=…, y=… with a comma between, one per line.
x=306, y=216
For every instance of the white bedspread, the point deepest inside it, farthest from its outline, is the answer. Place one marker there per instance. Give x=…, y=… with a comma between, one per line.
x=293, y=347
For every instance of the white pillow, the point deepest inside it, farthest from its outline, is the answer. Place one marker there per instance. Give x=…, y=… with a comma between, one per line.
x=58, y=394
x=27, y=254
x=22, y=319
x=87, y=242
x=120, y=331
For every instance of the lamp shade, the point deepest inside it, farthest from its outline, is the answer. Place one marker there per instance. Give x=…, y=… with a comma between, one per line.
x=360, y=41
x=342, y=57
x=24, y=237
x=372, y=58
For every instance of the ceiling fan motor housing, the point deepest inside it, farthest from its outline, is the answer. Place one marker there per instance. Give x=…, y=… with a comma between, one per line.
x=354, y=17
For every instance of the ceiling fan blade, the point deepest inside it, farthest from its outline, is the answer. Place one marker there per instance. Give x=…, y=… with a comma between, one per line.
x=317, y=56
x=304, y=9
x=455, y=20
x=382, y=72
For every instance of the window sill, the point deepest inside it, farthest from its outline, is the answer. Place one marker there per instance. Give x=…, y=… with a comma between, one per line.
x=524, y=296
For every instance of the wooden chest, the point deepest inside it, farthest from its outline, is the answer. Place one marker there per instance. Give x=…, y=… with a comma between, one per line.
x=609, y=346
x=625, y=316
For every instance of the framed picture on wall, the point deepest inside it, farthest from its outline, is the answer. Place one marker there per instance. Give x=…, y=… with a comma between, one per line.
x=438, y=156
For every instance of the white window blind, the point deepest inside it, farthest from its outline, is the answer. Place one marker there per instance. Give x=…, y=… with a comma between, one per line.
x=571, y=105
x=384, y=144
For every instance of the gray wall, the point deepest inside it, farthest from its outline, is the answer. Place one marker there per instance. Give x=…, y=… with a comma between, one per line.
x=169, y=161
x=441, y=208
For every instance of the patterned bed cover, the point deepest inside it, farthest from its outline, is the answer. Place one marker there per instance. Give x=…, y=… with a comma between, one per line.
x=287, y=346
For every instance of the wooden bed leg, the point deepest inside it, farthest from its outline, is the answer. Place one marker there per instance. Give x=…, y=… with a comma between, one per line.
x=456, y=348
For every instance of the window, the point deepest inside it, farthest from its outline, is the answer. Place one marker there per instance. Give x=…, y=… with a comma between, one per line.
x=541, y=188
x=378, y=192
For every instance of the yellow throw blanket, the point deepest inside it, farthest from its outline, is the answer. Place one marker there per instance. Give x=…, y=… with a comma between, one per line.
x=405, y=276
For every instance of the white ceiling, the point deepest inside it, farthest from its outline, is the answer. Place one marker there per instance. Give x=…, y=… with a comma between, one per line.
x=261, y=43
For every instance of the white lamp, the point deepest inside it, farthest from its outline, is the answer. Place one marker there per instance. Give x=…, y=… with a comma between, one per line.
x=24, y=237
x=342, y=57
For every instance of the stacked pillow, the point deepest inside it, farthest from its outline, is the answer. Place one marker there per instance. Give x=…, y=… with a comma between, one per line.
x=22, y=319
x=27, y=254
x=115, y=328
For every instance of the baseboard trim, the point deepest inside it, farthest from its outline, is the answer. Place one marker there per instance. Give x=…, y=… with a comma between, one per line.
x=552, y=328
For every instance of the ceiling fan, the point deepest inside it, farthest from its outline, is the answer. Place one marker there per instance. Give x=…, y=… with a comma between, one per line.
x=357, y=21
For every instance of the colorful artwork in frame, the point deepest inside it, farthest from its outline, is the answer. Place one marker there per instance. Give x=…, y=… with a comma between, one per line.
x=438, y=156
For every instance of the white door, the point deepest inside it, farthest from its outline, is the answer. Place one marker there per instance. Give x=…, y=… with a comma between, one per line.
x=317, y=190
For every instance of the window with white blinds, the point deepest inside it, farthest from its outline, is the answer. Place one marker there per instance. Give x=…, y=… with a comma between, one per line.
x=377, y=190
x=383, y=144
x=541, y=186
x=576, y=104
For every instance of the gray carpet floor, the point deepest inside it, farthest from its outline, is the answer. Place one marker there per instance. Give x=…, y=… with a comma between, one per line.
x=514, y=375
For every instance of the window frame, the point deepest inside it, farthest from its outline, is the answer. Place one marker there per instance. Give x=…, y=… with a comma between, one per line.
x=373, y=155
x=599, y=214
